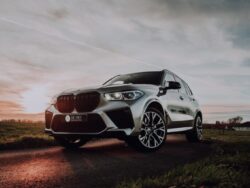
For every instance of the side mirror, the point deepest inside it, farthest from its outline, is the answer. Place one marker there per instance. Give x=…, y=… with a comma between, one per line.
x=167, y=86
x=173, y=85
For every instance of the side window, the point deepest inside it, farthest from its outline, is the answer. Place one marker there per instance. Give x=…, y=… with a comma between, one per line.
x=169, y=77
x=182, y=89
x=190, y=93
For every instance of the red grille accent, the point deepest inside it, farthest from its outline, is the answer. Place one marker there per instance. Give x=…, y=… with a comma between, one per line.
x=65, y=103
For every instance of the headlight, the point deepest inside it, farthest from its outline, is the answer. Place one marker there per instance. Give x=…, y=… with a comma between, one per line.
x=125, y=95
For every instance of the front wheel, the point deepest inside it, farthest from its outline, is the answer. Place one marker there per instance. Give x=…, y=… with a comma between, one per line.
x=195, y=135
x=152, y=133
x=71, y=143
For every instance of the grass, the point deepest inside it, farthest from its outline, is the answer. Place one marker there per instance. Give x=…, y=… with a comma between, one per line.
x=227, y=166
x=19, y=135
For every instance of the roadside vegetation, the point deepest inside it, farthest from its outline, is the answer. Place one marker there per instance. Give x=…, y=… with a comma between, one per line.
x=23, y=134
x=227, y=166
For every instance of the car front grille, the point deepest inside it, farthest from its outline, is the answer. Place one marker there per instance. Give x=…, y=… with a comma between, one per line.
x=83, y=102
x=87, y=102
x=65, y=103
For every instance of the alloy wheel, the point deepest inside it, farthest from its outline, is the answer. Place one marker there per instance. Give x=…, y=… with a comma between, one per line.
x=153, y=130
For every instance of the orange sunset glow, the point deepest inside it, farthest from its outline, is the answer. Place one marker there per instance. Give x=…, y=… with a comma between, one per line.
x=35, y=100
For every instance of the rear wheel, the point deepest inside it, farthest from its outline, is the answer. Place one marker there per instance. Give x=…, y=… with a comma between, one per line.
x=71, y=143
x=195, y=135
x=152, y=134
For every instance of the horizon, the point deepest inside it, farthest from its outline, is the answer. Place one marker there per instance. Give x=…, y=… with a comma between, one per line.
x=46, y=48
x=211, y=114
x=35, y=118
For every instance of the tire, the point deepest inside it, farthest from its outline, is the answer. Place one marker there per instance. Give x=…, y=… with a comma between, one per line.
x=71, y=143
x=195, y=135
x=153, y=132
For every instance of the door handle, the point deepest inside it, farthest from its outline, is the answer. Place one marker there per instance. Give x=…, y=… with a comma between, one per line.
x=181, y=97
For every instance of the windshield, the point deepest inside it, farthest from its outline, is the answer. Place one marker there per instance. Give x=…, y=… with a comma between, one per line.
x=153, y=78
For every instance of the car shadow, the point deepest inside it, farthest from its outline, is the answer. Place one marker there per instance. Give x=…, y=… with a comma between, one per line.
x=112, y=160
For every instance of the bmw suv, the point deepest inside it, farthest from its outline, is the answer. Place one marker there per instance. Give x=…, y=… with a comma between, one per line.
x=139, y=108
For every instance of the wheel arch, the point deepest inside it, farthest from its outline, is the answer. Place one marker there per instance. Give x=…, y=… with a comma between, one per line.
x=154, y=103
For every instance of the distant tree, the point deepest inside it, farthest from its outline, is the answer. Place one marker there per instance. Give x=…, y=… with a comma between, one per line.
x=235, y=120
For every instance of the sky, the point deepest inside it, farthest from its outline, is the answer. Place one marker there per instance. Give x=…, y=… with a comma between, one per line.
x=47, y=46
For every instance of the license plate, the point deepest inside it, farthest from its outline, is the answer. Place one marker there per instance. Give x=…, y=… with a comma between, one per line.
x=76, y=118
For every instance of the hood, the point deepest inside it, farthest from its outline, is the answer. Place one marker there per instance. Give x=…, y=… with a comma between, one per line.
x=110, y=88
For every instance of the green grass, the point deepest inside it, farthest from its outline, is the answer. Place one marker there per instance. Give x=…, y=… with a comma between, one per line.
x=227, y=166
x=19, y=135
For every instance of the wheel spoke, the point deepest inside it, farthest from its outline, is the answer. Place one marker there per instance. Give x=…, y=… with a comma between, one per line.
x=142, y=137
x=148, y=142
x=159, y=136
x=159, y=126
x=159, y=121
x=156, y=138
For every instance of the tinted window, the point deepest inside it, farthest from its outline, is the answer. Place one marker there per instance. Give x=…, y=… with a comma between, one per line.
x=153, y=78
x=182, y=89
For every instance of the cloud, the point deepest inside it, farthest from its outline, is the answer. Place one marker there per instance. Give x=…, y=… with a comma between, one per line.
x=68, y=45
x=10, y=106
x=246, y=62
x=240, y=35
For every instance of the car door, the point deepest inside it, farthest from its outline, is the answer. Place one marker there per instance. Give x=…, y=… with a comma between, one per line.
x=170, y=101
x=183, y=114
x=193, y=102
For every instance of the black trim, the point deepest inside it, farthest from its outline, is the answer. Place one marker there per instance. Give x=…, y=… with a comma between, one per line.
x=122, y=118
x=93, y=123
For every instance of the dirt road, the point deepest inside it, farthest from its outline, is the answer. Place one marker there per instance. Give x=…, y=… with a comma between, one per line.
x=101, y=163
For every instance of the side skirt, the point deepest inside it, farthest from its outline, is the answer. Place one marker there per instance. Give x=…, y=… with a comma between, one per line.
x=178, y=130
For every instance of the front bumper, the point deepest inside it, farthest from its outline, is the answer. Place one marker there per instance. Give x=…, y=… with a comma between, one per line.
x=108, y=119
x=93, y=123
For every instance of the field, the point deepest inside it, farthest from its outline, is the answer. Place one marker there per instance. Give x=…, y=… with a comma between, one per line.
x=228, y=165
x=19, y=135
